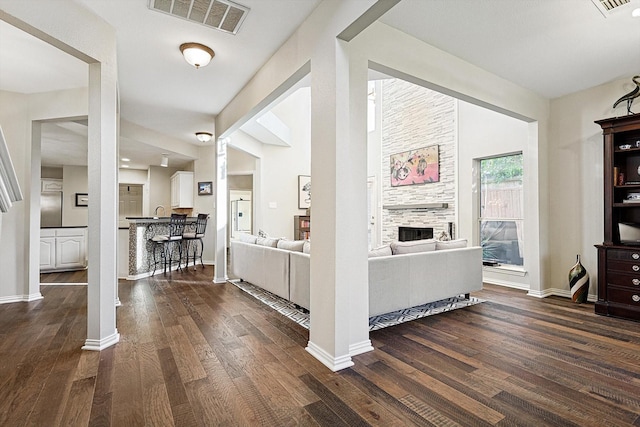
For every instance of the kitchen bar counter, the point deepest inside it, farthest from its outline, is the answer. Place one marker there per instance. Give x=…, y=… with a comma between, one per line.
x=141, y=229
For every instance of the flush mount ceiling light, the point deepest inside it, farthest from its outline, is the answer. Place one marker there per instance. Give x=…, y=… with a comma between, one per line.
x=636, y=13
x=204, y=136
x=196, y=54
x=165, y=161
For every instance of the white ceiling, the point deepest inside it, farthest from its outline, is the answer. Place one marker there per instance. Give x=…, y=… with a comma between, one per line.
x=551, y=47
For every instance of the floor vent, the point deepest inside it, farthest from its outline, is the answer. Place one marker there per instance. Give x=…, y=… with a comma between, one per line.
x=606, y=7
x=222, y=15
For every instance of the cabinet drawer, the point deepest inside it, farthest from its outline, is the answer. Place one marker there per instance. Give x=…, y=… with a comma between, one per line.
x=624, y=296
x=631, y=281
x=624, y=255
x=623, y=267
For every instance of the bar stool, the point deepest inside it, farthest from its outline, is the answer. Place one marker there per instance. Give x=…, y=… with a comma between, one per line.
x=191, y=239
x=165, y=245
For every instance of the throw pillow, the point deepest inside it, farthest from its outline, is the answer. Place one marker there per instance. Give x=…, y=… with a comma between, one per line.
x=291, y=245
x=413, y=246
x=306, y=247
x=451, y=244
x=381, y=251
x=267, y=241
x=247, y=238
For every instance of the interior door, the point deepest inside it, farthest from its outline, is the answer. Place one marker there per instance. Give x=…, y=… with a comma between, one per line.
x=130, y=197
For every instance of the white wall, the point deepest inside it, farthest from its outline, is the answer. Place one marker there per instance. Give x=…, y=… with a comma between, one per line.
x=575, y=170
x=280, y=167
x=204, y=169
x=160, y=189
x=484, y=133
x=74, y=180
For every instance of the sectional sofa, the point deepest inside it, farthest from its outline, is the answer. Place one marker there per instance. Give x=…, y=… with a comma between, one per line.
x=401, y=275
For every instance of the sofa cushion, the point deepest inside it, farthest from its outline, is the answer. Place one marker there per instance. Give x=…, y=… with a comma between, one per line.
x=413, y=246
x=381, y=251
x=306, y=248
x=267, y=241
x=451, y=244
x=291, y=245
x=247, y=238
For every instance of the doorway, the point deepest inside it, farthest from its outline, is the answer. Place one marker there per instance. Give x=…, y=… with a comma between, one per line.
x=130, y=202
x=241, y=212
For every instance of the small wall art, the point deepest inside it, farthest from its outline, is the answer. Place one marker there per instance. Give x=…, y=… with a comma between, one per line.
x=415, y=166
x=304, y=191
x=205, y=188
x=82, y=199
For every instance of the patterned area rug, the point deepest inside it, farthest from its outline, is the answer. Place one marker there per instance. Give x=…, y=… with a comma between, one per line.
x=289, y=309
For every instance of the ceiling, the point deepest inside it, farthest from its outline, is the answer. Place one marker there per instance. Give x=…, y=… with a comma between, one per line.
x=551, y=47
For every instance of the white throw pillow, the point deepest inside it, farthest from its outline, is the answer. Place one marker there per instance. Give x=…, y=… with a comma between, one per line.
x=381, y=251
x=291, y=245
x=451, y=244
x=267, y=241
x=306, y=247
x=247, y=238
x=413, y=246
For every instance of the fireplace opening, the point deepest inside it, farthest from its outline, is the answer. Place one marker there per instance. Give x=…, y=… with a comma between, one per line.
x=406, y=234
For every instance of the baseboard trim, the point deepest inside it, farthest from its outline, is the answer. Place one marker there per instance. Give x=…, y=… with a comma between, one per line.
x=63, y=284
x=506, y=283
x=21, y=298
x=566, y=293
x=333, y=363
x=99, y=345
x=359, y=348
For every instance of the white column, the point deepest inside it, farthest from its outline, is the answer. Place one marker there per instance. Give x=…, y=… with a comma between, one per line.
x=339, y=268
x=103, y=183
x=33, y=208
x=220, y=270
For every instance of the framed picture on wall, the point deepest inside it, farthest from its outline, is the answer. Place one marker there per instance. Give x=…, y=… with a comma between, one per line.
x=82, y=199
x=415, y=167
x=205, y=188
x=304, y=191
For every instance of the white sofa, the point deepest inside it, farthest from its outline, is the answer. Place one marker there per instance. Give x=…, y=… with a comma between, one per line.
x=395, y=281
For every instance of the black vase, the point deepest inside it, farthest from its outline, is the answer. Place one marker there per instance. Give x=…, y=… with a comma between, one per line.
x=579, y=282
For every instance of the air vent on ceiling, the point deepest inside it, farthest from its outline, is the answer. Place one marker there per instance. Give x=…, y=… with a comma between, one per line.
x=222, y=15
x=607, y=6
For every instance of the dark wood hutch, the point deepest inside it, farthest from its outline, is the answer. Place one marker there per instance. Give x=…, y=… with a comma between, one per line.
x=619, y=260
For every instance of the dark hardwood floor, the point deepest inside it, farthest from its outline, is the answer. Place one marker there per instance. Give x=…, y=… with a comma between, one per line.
x=76, y=277
x=193, y=353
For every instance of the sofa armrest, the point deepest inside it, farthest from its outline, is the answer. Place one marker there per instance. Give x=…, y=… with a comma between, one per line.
x=300, y=279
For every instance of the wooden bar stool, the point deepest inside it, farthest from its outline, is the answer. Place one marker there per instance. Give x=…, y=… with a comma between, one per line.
x=193, y=236
x=165, y=245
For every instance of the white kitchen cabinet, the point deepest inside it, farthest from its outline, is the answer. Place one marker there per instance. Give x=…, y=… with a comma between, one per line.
x=47, y=253
x=63, y=249
x=182, y=190
x=49, y=184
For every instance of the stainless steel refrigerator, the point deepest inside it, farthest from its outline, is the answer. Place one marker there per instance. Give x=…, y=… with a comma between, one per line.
x=51, y=209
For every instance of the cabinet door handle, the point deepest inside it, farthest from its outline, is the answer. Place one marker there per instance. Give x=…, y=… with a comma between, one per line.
x=635, y=256
x=636, y=282
x=635, y=268
x=636, y=298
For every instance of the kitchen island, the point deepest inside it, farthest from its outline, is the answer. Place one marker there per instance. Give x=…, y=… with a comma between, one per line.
x=141, y=229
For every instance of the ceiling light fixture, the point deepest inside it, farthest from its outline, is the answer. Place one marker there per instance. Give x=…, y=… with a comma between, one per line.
x=125, y=159
x=124, y=166
x=204, y=136
x=636, y=13
x=165, y=161
x=196, y=54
